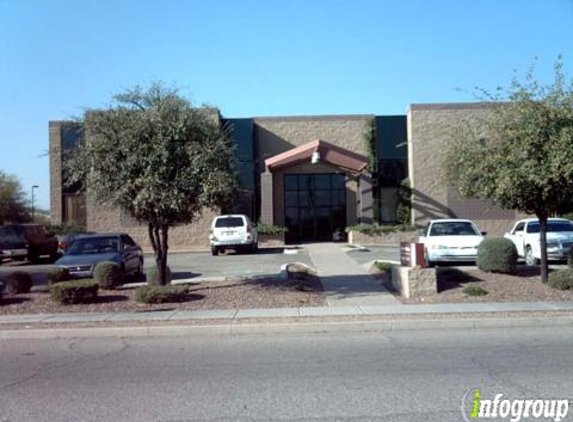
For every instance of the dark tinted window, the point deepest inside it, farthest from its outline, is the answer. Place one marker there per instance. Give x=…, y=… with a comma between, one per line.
x=94, y=245
x=11, y=231
x=229, y=222
x=552, y=226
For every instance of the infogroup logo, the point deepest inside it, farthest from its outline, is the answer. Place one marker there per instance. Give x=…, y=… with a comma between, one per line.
x=474, y=406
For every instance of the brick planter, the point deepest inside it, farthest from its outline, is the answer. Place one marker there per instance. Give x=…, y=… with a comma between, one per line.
x=393, y=238
x=271, y=240
x=415, y=282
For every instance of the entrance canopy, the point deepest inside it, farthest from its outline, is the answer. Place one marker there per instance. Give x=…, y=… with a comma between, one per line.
x=323, y=152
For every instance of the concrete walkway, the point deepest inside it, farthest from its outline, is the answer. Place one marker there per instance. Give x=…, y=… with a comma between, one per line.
x=457, y=309
x=345, y=282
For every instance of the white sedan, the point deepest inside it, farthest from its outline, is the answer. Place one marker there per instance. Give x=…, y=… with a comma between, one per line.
x=525, y=236
x=448, y=240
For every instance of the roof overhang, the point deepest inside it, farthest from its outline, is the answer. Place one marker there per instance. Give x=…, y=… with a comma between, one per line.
x=330, y=154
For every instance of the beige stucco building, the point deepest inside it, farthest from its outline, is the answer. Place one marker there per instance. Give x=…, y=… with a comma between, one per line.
x=310, y=174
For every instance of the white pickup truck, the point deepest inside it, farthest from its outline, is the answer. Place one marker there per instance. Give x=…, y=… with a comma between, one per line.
x=525, y=236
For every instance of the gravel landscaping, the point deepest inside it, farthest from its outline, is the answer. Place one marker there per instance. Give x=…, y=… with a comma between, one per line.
x=232, y=294
x=525, y=286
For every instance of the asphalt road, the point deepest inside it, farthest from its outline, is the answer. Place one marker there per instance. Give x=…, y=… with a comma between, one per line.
x=400, y=376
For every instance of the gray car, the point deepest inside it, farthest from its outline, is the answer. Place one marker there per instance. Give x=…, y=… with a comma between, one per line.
x=86, y=251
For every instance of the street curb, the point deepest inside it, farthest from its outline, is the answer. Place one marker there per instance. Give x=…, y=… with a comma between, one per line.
x=269, y=328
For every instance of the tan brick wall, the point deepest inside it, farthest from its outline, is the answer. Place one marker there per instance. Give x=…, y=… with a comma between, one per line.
x=430, y=128
x=415, y=282
x=279, y=134
x=106, y=220
x=357, y=238
x=55, y=150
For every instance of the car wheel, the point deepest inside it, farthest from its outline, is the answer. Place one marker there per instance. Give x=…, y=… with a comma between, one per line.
x=214, y=251
x=529, y=258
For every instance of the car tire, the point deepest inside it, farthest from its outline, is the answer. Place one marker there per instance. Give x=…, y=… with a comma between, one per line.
x=529, y=258
x=214, y=251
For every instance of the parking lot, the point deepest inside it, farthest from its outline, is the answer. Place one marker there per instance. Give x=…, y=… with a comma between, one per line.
x=185, y=265
x=267, y=261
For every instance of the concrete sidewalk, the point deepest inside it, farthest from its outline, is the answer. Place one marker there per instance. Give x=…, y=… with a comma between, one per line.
x=345, y=282
x=326, y=311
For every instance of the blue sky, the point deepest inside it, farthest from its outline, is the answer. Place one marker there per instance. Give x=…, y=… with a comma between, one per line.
x=260, y=57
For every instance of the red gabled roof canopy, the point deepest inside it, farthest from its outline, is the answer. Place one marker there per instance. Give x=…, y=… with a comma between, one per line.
x=329, y=153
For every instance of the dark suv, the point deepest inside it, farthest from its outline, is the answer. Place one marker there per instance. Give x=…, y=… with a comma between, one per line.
x=21, y=241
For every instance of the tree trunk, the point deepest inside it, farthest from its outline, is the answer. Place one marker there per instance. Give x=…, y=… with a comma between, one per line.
x=543, y=247
x=158, y=236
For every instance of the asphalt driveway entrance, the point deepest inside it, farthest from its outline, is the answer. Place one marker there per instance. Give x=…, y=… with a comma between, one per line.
x=267, y=262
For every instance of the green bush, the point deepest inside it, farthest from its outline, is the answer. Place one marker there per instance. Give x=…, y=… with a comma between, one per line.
x=384, y=266
x=65, y=229
x=404, y=211
x=161, y=294
x=373, y=229
x=561, y=279
x=497, y=255
x=472, y=290
x=108, y=275
x=57, y=275
x=153, y=276
x=271, y=230
x=19, y=282
x=75, y=291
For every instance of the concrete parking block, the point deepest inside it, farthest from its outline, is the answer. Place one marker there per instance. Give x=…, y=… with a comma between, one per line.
x=214, y=314
x=267, y=313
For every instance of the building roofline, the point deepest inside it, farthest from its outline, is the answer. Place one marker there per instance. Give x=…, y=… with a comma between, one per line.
x=452, y=106
x=315, y=117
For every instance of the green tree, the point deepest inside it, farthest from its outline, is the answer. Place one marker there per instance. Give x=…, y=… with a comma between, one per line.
x=13, y=202
x=521, y=154
x=156, y=158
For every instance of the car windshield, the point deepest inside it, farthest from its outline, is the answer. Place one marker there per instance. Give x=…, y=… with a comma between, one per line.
x=229, y=222
x=552, y=226
x=94, y=245
x=454, y=228
x=11, y=231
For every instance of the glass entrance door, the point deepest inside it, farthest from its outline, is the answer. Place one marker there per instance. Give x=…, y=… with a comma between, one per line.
x=315, y=206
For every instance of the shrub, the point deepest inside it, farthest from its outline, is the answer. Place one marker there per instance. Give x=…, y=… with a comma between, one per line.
x=153, y=276
x=75, y=291
x=562, y=279
x=271, y=230
x=384, y=266
x=404, y=211
x=161, y=294
x=19, y=282
x=497, y=255
x=108, y=275
x=472, y=290
x=57, y=275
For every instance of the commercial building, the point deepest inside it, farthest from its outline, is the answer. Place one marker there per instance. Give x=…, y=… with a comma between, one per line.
x=312, y=174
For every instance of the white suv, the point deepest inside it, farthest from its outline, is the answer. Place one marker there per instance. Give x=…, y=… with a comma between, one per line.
x=233, y=231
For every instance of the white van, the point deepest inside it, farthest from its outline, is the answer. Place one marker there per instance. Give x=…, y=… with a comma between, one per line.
x=233, y=231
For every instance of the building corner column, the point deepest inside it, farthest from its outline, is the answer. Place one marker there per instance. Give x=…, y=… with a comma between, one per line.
x=267, y=208
x=365, y=202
